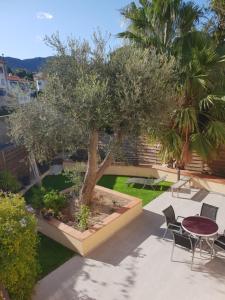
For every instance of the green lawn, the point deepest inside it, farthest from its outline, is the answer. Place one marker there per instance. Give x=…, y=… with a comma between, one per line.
x=51, y=255
x=50, y=182
x=118, y=183
x=56, y=182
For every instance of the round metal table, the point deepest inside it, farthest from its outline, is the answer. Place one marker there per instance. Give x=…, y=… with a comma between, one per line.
x=201, y=227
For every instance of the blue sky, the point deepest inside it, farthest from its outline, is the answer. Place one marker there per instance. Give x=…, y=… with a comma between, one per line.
x=24, y=23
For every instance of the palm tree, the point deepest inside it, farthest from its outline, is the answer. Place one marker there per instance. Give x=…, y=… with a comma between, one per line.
x=158, y=24
x=172, y=27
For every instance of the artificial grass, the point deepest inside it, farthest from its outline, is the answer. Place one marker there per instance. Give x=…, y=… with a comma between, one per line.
x=147, y=194
x=51, y=255
x=56, y=182
x=50, y=182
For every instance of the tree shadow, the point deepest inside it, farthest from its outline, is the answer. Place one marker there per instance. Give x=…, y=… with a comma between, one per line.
x=67, y=274
x=127, y=241
x=108, y=181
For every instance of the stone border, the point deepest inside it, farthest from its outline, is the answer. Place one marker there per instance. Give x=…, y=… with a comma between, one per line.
x=85, y=242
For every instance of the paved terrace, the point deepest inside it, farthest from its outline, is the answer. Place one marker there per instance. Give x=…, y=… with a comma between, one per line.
x=135, y=263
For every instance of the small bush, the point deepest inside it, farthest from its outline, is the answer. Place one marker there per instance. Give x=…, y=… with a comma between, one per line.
x=76, y=176
x=18, y=247
x=82, y=217
x=55, y=201
x=37, y=197
x=8, y=182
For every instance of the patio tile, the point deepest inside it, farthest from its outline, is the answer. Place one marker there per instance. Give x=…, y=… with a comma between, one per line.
x=135, y=263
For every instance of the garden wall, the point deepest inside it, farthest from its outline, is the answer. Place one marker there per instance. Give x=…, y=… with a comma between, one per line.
x=85, y=242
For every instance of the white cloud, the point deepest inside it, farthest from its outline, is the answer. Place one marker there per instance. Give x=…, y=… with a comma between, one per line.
x=44, y=15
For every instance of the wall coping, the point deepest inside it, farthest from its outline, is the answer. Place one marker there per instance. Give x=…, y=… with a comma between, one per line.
x=81, y=236
x=192, y=174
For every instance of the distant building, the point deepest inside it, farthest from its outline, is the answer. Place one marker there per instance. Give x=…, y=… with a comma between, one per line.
x=40, y=81
x=3, y=83
x=19, y=89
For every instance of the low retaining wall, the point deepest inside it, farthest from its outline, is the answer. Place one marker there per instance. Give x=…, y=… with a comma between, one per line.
x=211, y=183
x=85, y=242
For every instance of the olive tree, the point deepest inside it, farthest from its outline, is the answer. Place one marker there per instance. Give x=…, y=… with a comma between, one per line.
x=91, y=93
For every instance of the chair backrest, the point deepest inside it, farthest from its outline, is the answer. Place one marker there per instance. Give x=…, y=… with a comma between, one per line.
x=169, y=215
x=184, y=240
x=209, y=211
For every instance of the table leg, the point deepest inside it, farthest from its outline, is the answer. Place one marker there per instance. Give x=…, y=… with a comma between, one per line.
x=209, y=244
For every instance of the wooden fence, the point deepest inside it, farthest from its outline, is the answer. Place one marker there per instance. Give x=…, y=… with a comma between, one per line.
x=140, y=152
x=15, y=160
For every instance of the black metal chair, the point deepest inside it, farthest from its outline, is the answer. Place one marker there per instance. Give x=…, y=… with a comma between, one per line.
x=186, y=241
x=171, y=220
x=209, y=211
x=219, y=242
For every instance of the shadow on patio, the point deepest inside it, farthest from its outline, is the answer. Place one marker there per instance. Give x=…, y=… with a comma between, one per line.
x=127, y=241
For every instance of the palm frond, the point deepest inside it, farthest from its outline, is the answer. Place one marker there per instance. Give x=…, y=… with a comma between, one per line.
x=216, y=133
x=171, y=145
x=186, y=120
x=201, y=145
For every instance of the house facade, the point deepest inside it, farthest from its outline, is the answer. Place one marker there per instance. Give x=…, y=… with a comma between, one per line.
x=3, y=84
x=19, y=89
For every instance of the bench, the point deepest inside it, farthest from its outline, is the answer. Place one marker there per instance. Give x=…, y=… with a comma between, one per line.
x=152, y=182
x=180, y=184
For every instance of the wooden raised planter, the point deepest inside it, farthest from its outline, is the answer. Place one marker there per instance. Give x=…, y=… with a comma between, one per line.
x=85, y=242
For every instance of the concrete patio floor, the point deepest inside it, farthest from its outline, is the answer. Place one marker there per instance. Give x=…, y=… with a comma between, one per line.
x=135, y=264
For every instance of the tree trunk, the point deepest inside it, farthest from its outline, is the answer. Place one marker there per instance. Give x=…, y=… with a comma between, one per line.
x=94, y=172
x=86, y=192
x=35, y=169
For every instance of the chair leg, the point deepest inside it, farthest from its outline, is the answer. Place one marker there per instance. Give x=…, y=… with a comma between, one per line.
x=171, y=257
x=164, y=235
x=200, y=244
x=192, y=259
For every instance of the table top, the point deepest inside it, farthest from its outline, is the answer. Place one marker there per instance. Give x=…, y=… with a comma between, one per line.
x=200, y=226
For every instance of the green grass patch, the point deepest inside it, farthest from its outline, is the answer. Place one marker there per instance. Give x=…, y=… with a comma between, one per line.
x=147, y=194
x=51, y=255
x=56, y=182
x=50, y=182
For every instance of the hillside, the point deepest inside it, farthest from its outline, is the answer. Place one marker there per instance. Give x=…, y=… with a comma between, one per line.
x=31, y=64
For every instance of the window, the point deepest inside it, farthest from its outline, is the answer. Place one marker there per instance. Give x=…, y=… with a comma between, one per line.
x=2, y=92
x=1, y=70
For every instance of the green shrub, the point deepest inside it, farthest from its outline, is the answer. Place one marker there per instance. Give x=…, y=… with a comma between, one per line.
x=55, y=201
x=18, y=247
x=76, y=176
x=82, y=217
x=37, y=197
x=8, y=182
